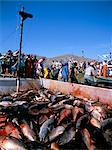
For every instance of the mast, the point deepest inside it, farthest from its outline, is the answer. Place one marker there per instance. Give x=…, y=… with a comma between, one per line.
x=20, y=45
x=23, y=15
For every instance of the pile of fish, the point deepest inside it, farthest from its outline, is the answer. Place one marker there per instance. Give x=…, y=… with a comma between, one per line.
x=47, y=120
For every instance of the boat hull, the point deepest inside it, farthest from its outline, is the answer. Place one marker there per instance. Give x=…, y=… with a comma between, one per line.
x=104, y=95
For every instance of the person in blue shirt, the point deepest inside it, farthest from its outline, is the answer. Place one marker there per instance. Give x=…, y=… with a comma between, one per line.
x=65, y=72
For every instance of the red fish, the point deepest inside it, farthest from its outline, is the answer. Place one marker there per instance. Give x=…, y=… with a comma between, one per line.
x=64, y=114
x=87, y=139
x=54, y=146
x=95, y=122
x=75, y=112
x=28, y=132
x=11, y=130
x=11, y=143
x=3, y=119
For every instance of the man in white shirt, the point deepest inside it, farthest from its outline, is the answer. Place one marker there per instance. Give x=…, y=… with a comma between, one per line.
x=89, y=75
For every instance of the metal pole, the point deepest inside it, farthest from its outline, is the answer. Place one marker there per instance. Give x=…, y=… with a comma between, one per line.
x=19, y=58
x=23, y=15
x=111, y=49
x=21, y=34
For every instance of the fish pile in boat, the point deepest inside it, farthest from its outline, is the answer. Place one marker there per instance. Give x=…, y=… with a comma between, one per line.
x=47, y=120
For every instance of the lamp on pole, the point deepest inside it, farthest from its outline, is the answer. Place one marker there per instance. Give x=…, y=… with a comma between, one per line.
x=82, y=53
x=23, y=15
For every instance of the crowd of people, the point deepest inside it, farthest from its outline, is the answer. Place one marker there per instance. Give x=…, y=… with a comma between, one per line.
x=30, y=66
x=24, y=66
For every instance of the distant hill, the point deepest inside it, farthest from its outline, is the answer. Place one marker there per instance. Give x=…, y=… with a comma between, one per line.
x=67, y=57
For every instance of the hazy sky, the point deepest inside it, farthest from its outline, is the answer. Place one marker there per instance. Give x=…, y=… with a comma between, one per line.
x=58, y=27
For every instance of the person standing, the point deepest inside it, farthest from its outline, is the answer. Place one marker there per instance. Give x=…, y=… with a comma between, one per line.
x=73, y=72
x=46, y=72
x=65, y=72
x=28, y=67
x=89, y=75
x=22, y=66
x=104, y=69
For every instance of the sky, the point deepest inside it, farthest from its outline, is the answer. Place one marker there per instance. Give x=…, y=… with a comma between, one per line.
x=57, y=27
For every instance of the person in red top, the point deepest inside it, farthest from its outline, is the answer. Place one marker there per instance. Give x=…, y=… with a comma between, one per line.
x=28, y=67
x=104, y=69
